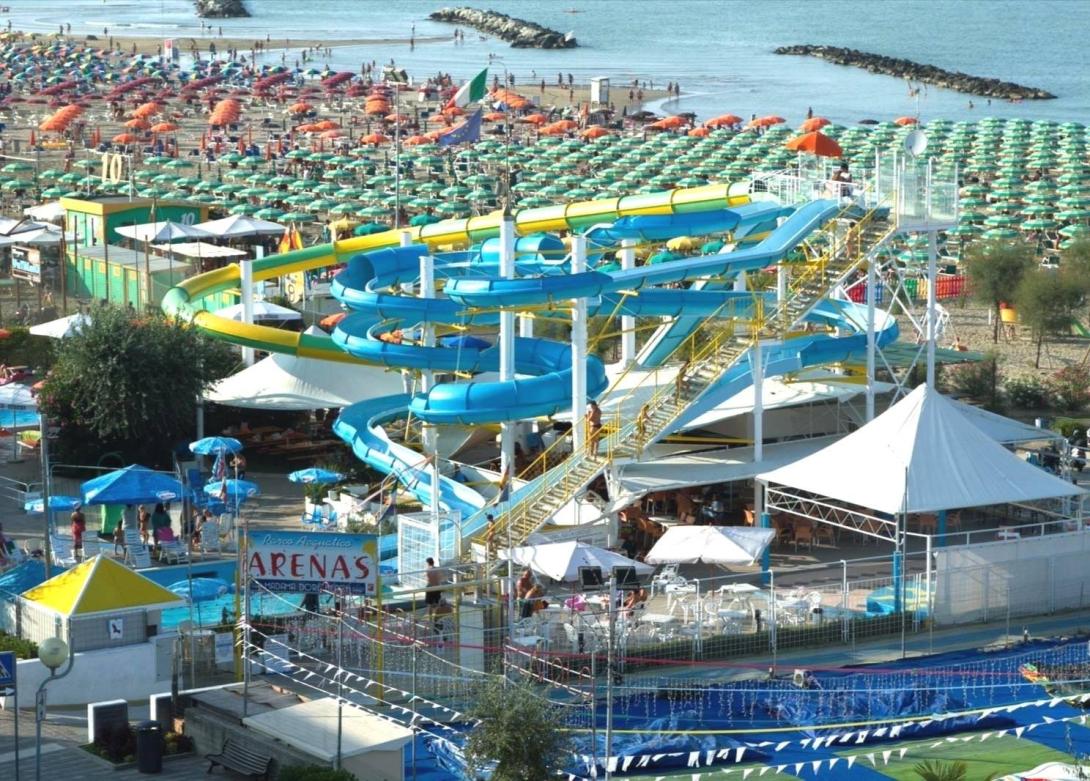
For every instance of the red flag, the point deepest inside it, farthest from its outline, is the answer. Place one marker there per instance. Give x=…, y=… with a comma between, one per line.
x=285, y=242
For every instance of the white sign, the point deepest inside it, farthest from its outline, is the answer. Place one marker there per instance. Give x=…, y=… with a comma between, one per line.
x=225, y=647
x=116, y=628
x=308, y=562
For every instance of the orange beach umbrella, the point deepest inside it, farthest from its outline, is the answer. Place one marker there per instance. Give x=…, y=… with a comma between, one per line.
x=813, y=123
x=815, y=143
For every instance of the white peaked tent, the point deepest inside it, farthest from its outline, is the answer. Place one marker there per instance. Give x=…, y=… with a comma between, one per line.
x=238, y=226
x=923, y=454
x=720, y=545
x=286, y=382
x=562, y=560
x=263, y=310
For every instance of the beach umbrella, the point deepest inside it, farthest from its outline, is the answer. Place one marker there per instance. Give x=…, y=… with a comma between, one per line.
x=297, y=217
x=315, y=475
x=163, y=232
x=815, y=143
x=132, y=485
x=57, y=503
x=1039, y=224
x=369, y=228
x=209, y=446
x=1000, y=234
x=239, y=490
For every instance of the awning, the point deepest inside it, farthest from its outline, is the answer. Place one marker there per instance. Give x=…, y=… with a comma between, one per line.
x=723, y=465
x=199, y=249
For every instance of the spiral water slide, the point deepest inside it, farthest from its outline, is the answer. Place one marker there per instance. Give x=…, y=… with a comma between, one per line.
x=474, y=293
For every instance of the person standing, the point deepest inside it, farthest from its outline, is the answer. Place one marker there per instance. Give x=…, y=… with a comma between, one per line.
x=594, y=426
x=79, y=526
x=160, y=520
x=143, y=521
x=434, y=579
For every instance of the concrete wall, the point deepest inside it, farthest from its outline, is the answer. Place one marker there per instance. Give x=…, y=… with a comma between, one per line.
x=128, y=673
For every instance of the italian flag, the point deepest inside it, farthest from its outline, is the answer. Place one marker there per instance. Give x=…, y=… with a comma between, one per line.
x=472, y=91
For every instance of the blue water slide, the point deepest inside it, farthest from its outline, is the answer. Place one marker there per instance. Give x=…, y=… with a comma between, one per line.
x=491, y=292
x=662, y=227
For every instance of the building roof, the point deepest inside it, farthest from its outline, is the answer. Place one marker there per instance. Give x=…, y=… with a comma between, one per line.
x=312, y=727
x=99, y=586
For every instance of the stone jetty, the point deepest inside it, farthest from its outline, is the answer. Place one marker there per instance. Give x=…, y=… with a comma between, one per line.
x=221, y=9
x=517, y=32
x=915, y=71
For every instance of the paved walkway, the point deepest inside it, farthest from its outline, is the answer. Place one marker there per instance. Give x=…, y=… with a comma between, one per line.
x=62, y=759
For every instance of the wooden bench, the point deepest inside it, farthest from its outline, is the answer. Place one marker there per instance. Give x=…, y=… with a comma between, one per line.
x=234, y=756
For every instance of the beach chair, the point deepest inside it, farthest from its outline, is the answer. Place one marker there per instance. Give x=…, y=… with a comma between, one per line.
x=667, y=575
x=139, y=556
x=132, y=543
x=61, y=551
x=92, y=546
x=210, y=537
x=171, y=549
x=312, y=519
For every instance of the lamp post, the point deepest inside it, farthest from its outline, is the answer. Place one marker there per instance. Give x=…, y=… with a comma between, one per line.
x=52, y=653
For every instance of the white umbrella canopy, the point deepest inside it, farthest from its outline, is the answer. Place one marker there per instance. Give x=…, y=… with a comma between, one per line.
x=263, y=310
x=238, y=226
x=160, y=232
x=720, y=545
x=61, y=328
x=562, y=560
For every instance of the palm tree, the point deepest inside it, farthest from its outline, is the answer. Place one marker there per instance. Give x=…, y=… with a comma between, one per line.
x=942, y=771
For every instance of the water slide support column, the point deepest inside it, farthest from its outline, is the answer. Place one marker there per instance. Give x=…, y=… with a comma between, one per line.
x=932, y=309
x=246, y=271
x=579, y=348
x=758, y=371
x=872, y=281
x=628, y=323
x=427, y=290
x=405, y=239
x=508, y=429
x=783, y=281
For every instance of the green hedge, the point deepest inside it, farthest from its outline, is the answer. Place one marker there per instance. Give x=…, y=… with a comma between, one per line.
x=24, y=649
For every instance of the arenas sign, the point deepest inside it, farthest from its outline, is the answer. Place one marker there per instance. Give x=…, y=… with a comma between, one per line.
x=304, y=562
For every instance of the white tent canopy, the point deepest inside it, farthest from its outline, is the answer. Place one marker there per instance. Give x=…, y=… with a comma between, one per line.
x=263, y=310
x=199, y=249
x=157, y=232
x=923, y=454
x=51, y=211
x=720, y=545
x=238, y=226
x=62, y=327
x=562, y=560
x=286, y=382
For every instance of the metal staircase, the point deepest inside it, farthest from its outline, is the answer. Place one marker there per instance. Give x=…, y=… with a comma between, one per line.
x=708, y=353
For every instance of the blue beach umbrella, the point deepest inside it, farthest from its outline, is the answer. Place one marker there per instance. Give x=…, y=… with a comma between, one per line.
x=234, y=489
x=132, y=485
x=56, y=504
x=315, y=475
x=210, y=446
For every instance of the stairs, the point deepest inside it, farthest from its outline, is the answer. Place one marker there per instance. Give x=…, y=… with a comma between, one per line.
x=708, y=353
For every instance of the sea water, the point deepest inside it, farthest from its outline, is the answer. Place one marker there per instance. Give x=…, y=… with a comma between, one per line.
x=719, y=51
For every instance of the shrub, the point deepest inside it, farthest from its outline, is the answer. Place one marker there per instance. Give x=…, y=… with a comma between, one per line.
x=1071, y=387
x=313, y=773
x=24, y=649
x=1028, y=392
x=979, y=381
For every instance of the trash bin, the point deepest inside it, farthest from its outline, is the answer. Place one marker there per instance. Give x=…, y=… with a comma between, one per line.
x=149, y=747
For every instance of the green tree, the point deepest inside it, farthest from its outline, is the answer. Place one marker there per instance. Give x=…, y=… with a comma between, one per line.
x=519, y=731
x=129, y=383
x=1075, y=261
x=1048, y=302
x=995, y=270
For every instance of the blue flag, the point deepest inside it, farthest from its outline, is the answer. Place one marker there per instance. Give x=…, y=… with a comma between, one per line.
x=464, y=133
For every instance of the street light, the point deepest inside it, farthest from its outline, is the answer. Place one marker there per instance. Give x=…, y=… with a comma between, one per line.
x=52, y=652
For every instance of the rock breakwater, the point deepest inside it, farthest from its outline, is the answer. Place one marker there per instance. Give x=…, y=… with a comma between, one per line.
x=517, y=32
x=915, y=71
x=221, y=9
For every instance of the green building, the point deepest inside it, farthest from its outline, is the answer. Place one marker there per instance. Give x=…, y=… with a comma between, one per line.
x=95, y=222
